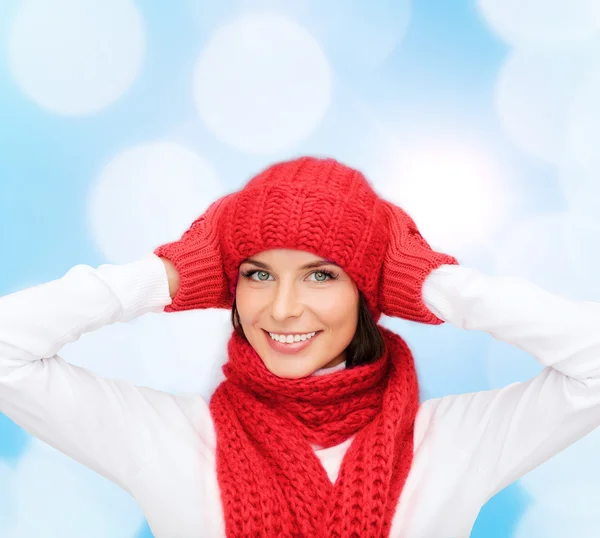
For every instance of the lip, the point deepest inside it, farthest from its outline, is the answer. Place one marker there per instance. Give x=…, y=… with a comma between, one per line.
x=290, y=349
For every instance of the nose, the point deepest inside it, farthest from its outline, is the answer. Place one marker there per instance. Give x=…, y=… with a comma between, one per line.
x=286, y=303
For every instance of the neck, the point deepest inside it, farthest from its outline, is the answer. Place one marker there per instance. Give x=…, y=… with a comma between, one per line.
x=330, y=369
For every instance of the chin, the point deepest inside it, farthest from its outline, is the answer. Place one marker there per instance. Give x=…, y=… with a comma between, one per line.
x=289, y=370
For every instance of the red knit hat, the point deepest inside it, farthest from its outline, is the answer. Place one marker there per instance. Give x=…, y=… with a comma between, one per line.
x=316, y=205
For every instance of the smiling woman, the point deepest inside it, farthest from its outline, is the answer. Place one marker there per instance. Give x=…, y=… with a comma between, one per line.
x=279, y=450
x=294, y=294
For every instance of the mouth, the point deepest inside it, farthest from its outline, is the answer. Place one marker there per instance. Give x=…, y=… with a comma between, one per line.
x=292, y=348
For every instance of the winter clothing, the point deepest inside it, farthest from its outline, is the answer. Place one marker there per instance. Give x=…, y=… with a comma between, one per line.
x=161, y=447
x=329, y=209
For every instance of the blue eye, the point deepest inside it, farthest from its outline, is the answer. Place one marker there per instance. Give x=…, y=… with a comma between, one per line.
x=248, y=274
x=326, y=273
x=251, y=272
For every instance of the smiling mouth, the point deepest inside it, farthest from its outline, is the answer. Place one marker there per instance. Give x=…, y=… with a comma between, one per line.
x=293, y=334
x=268, y=333
x=284, y=347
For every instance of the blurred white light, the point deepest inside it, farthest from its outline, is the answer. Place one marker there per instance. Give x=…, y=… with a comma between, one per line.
x=508, y=364
x=546, y=518
x=535, y=92
x=354, y=35
x=584, y=124
x=59, y=497
x=579, y=172
x=184, y=352
x=180, y=352
x=521, y=22
x=359, y=35
x=148, y=195
x=580, y=186
x=574, y=464
x=111, y=352
x=585, y=200
x=262, y=84
x=209, y=15
x=8, y=504
x=557, y=251
x=75, y=57
x=451, y=192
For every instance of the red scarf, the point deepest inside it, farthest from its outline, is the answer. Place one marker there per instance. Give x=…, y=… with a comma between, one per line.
x=272, y=483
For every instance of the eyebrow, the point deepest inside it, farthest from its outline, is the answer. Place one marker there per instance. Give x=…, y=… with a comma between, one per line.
x=310, y=265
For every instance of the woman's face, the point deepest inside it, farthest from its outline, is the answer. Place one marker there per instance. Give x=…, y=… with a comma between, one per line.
x=278, y=293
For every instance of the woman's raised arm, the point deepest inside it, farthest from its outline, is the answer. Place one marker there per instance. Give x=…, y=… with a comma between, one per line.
x=102, y=423
x=507, y=432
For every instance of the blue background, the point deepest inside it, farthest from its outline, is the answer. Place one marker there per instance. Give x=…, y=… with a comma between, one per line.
x=438, y=86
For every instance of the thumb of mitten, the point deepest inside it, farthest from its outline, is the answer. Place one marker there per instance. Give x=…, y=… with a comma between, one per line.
x=408, y=261
x=198, y=260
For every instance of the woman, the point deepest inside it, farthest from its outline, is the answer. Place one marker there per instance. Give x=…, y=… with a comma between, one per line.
x=318, y=429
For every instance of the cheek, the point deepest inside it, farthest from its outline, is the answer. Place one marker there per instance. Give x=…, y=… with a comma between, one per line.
x=338, y=310
x=248, y=303
x=241, y=302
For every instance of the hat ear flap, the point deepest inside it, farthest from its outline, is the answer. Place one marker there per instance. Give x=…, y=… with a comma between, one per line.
x=408, y=261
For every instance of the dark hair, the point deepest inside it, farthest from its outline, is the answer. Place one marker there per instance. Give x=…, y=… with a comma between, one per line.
x=366, y=346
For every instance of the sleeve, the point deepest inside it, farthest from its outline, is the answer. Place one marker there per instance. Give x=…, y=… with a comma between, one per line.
x=510, y=431
x=102, y=423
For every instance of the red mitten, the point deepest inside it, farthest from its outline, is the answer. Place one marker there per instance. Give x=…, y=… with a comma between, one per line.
x=197, y=258
x=408, y=261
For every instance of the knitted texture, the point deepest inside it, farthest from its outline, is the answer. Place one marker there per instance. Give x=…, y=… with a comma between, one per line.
x=315, y=205
x=271, y=481
x=197, y=257
x=272, y=484
x=408, y=261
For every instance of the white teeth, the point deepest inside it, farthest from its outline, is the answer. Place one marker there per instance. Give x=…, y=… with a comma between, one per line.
x=290, y=339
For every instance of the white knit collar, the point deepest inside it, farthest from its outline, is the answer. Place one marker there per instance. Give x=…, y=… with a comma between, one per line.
x=331, y=370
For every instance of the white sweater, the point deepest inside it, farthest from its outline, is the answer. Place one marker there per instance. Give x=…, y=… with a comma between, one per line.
x=160, y=447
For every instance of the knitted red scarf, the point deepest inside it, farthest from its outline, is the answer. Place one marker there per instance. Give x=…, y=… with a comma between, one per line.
x=272, y=483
